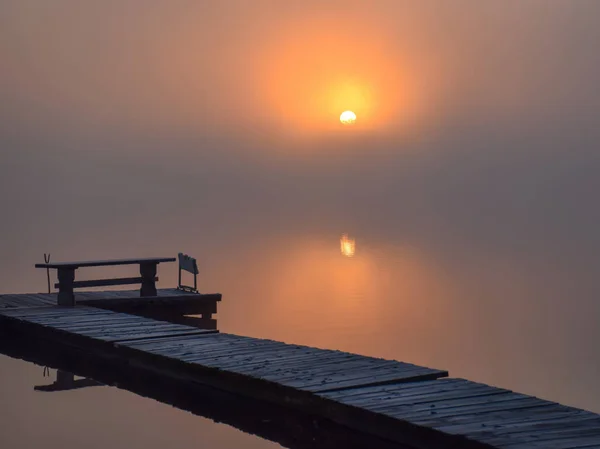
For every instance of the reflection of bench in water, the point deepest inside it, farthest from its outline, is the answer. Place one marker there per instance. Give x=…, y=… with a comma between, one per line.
x=66, y=381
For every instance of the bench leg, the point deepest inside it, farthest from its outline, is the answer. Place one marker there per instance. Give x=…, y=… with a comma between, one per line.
x=66, y=297
x=148, y=272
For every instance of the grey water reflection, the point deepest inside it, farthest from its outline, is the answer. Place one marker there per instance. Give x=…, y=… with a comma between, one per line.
x=99, y=417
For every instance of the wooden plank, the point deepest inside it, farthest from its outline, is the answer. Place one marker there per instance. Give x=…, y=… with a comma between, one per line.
x=218, y=346
x=589, y=435
x=122, y=300
x=136, y=328
x=340, y=371
x=500, y=418
x=189, y=303
x=440, y=405
x=516, y=404
x=431, y=394
x=331, y=363
x=152, y=332
x=105, y=282
x=535, y=431
x=65, y=316
x=153, y=336
x=87, y=322
x=200, y=333
x=176, y=341
x=158, y=348
x=396, y=393
x=301, y=365
x=101, y=263
x=10, y=301
x=234, y=352
x=354, y=373
x=494, y=417
x=505, y=424
x=553, y=442
x=377, y=391
x=293, y=359
x=177, y=350
x=48, y=311
x=417, y=375
x=234, y=364
x=101, y=324
x=21, y=300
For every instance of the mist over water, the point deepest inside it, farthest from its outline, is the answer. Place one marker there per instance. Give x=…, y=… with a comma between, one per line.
x=470, y=184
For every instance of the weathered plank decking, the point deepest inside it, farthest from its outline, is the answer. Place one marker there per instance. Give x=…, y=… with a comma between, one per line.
x=400, y=402
x=165, y=296
x=498, y=417
x=120, y=300
x=97, y=325
x=171, y=304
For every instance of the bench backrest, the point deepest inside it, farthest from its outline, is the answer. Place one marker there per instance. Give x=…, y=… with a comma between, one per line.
x=189, y=264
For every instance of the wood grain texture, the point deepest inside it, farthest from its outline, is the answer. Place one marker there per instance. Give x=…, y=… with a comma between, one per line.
x=478, y=412
x=129, y=301
x=99, y=324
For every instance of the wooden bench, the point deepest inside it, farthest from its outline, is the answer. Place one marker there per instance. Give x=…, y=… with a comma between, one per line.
x=66, y=276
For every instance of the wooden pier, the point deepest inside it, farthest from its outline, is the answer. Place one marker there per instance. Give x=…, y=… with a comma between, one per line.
x=150, y=332
x=170, y=304
x=400, y=402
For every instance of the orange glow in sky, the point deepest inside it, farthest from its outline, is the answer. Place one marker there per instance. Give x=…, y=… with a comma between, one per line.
x=316, y=70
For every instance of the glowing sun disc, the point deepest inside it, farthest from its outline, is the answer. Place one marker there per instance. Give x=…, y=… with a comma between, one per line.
x=348, y=117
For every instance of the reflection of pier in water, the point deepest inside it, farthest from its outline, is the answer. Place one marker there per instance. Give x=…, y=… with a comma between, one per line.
x=66, y=381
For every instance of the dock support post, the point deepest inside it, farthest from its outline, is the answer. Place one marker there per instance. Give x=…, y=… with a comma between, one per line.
x=66, y=277
x=148, y=272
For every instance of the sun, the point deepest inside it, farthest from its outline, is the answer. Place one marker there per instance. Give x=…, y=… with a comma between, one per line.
x=348, y=118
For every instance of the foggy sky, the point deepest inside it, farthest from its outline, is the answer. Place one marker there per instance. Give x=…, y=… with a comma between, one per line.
x=127, y=120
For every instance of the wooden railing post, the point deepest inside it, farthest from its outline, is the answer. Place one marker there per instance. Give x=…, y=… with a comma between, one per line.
x=66, y=276
x=148, y=272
